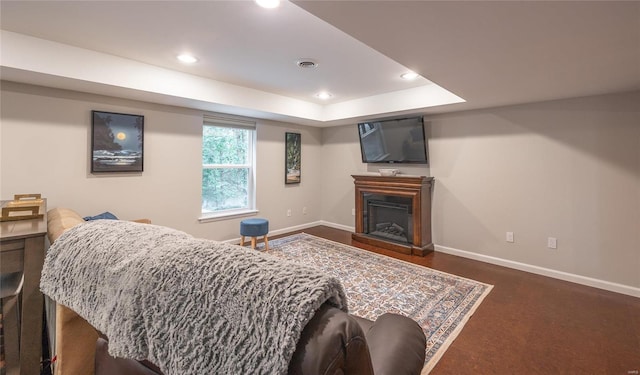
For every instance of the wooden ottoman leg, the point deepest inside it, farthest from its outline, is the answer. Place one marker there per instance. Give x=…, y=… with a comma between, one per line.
x=266, y=242
x=253, y=242
x=242, y=241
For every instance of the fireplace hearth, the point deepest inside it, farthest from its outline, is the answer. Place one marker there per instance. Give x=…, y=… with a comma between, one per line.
x=394, y=212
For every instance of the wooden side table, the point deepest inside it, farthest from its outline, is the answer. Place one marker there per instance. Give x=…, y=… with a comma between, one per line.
x=22, y=243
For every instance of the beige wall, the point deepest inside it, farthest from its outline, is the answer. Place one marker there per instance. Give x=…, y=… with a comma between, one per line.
x=341, y=159
x=45, y=148
x=568, y=169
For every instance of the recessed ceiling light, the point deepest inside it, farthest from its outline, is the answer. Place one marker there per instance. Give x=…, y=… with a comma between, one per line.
x=409, y=76
x=269, y=4
x=186, y=58
x=323, y=95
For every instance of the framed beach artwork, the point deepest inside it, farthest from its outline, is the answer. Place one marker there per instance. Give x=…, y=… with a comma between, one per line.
x=293, y=147
x=116, y=142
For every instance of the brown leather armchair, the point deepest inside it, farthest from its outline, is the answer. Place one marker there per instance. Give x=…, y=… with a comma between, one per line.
x=333, y=342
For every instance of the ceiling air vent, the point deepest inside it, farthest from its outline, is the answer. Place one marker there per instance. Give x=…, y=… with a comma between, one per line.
x=306, y=63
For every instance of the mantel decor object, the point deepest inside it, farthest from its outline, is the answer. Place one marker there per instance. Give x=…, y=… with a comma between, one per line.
x=388, y=172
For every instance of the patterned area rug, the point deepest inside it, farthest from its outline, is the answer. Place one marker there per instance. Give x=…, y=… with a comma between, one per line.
x=441, y=303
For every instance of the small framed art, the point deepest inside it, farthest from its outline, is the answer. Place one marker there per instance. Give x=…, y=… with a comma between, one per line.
x=293, y=148
x=116, y=142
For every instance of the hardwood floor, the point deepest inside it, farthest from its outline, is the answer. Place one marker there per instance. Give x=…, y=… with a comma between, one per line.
x=531, y=324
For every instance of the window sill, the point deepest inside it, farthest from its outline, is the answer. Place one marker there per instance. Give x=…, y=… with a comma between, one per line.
x=207, y=218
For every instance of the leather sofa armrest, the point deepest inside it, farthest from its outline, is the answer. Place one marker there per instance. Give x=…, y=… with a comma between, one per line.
x=331, y=343
x=397, y=345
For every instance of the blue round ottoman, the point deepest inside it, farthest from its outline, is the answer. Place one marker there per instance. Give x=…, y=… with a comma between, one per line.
x=254, y=228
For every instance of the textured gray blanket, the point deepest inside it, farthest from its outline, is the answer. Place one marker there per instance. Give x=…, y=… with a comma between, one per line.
x=190, y=306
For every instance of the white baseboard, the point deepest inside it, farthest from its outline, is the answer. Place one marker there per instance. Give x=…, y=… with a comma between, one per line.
x=337, y=226
x=588, y=281
x=295, y=228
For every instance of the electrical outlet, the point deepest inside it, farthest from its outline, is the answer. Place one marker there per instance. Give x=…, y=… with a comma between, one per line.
x=552, y=243
x=289, y=212
x=304, y=210
x=509, y=236
x=353, y=212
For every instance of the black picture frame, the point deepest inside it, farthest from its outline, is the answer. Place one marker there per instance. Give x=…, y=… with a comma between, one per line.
x=293, y=158
x=117, y=142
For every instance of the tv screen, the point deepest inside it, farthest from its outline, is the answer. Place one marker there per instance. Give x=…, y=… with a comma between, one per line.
x=393, y=141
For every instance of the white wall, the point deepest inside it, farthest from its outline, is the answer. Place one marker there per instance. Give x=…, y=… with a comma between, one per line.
x=568, y=169
x=45, y=148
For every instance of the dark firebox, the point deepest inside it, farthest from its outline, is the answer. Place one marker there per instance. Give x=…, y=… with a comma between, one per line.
x=389, y=217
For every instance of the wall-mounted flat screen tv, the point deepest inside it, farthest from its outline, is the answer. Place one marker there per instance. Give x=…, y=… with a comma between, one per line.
x=393, y=141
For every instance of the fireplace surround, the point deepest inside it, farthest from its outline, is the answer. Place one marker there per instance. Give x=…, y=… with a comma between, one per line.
x=394, y=212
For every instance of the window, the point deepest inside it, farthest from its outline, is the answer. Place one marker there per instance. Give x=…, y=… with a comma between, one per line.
x=228, y=178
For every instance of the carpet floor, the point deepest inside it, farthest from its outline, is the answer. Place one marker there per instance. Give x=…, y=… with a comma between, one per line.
x=441, y=303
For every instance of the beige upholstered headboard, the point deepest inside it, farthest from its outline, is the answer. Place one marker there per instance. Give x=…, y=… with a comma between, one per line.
x=59, y=220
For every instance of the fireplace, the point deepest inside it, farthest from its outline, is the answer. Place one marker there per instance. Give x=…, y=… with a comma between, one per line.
x=394, y=212
x=388, y=217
